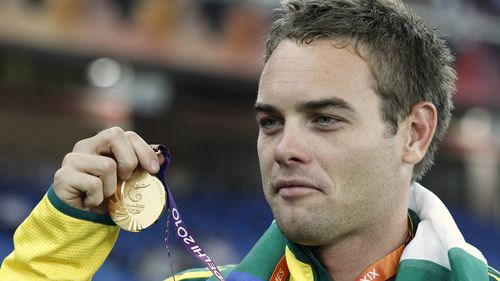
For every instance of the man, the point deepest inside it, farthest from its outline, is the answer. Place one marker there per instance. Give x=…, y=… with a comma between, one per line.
x=352, y=102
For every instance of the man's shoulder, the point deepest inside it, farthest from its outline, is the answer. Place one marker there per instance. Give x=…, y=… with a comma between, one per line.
x=493, y=274
x=200, y=274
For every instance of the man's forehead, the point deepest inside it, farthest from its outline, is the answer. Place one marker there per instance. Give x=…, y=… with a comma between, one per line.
x=318, y=60
x=301, y=73
x=323, y=50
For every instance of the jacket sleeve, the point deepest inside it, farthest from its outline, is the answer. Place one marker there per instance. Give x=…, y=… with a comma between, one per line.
x=493, y=274
x=59, y=242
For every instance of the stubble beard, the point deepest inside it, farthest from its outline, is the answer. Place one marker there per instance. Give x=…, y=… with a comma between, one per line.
x=309, y=226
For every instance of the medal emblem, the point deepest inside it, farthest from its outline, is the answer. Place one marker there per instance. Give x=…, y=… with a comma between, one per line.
x=138, y=202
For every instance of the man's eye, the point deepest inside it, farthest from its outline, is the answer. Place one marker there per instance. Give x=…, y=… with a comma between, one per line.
x=269, y=123
x=325, y=120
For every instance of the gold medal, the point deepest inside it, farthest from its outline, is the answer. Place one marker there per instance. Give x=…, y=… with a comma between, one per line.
x=138, y=202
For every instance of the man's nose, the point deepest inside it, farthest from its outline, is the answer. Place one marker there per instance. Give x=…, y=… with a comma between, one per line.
x=292, y=147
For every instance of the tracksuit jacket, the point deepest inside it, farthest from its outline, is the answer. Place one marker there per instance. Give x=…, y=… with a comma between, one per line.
x=59, y=242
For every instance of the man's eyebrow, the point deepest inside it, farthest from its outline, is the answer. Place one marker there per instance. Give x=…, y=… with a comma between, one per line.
x=319, y=104
x=308, y=106
x=266, y=108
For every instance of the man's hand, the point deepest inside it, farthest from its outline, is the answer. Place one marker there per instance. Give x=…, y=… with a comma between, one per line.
x=90, y=173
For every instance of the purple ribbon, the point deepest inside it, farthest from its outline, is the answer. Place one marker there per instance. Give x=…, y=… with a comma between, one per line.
x=181, y=231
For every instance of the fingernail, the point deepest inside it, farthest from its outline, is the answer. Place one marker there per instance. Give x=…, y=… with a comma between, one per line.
x=154, y=165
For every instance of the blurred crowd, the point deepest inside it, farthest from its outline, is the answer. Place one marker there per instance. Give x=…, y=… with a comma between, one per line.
x=184, y=73
x=482, y=6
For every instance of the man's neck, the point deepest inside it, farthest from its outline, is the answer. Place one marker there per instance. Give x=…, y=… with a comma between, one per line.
x=347, y=258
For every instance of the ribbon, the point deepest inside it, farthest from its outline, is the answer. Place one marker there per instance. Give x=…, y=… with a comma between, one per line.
x=180, y=228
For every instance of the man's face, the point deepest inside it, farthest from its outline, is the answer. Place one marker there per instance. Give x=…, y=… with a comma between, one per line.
x=329, y=168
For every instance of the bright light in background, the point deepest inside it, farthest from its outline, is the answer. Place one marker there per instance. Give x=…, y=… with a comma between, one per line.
x=104, y=72
x=147, y=92
x=152, y=92
x=477, y=123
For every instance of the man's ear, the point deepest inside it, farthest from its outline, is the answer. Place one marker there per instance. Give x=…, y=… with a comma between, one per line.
x=420, y=127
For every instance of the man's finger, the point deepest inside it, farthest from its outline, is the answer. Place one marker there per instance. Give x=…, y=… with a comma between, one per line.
x=111, y=142
x=70, y=184
x=145, y=154
x=99, y=166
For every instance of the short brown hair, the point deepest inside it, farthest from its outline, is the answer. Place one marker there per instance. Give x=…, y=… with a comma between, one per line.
x=409, y=61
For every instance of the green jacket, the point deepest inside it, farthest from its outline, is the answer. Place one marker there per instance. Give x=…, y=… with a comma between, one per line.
x=261, y=262
x=58, y=242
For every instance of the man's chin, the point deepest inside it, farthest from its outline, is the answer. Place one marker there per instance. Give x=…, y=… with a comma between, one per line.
x=299, y=232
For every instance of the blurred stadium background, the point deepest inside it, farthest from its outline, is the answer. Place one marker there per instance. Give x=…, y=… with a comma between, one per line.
x=184, y=73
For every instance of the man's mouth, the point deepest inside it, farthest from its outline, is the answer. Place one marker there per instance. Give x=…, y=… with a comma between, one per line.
x=293, y=188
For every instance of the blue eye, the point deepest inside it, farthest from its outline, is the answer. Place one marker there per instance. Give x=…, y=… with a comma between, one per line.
x=269, y=122
x=325, y=120
x=269, y=125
